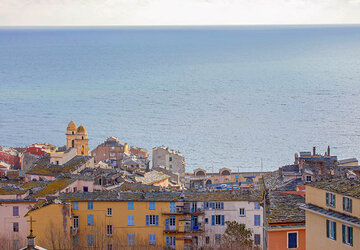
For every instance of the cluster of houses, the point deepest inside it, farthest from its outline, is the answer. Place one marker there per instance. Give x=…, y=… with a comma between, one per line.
x=111, y=198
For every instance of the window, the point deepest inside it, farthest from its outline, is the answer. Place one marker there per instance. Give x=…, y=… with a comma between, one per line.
x=206, y=221
x=256, y=205
x=308, y=178
x=109, y=247
x=207, y=240
x=75, y=189
x=85, y=189
x=75, y=205
x=170, y=166
x=170, y=241
x=15, y=211
x=90, y=205
x=90, y=239
x=152, y=220
x=330, y=200
x=292, y=240
x=242, y=211
x=347, y=204
x=217, y=239
x=15, y=227
x=170, y=158
x=131, y=205
x=219, y=205
x=112, y=154
x=76, y=222
x=256, y=220
x=347, y=235
x=217, y=220
x=172, y=207
x=109, y=229
x=90, y=219
x=131, y=239
x=131, y=220
x=257, y=239
x=16, y=244
x=152, y=205
x=109, y=211
x=331, y=229
x=152, y=239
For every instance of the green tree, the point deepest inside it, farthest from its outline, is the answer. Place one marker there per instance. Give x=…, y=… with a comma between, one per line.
x=236, y=236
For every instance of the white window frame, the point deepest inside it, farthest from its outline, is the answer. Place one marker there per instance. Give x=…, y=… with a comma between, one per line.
x=76, y=222
x=152, y=220
x=347, y=204
x=297, y=239
x=109, y=230
x=109, y=209
x=242, y=214
x=332, y=200
x=331, y=229
x=347, y=234
x=307, y=178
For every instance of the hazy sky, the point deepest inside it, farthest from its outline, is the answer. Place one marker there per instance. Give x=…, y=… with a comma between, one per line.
x=177, y=12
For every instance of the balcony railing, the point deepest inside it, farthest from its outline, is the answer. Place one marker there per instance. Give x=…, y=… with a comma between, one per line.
x=169, y=228
x=193, y=229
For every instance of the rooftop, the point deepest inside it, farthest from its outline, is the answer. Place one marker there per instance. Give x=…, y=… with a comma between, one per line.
x=171, y=151
x=152, y=177
x=284, y=208
x=44, y=167
x=338, y=185
x=10, y=151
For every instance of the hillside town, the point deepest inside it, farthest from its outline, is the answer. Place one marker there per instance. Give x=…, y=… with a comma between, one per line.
x=115, y=197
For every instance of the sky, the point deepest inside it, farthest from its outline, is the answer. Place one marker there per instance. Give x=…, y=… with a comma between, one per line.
x=177, y=12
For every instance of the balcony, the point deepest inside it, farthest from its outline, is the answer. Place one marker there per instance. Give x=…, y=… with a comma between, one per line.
x=171, y=229
x=194, y=229
x=184, y=210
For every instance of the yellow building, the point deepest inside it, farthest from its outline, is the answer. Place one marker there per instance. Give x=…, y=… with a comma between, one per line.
x=76, y=137
x=111, y=220
x=333, y=214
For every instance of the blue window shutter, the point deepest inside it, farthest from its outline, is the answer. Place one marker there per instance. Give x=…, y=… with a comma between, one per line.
x=147, y=220
x=166, y=222
x=351, y=235
x=90, y=219
x=167, y=240
x=222, y=219
x=222, y=205
x=157, y=219
x=343, y=234
x=327, y=199
x=350, y=210
x=334, y=230
x=213, y=205
x=75, y=205
x=205, y=205
x=344, y=207
x=327, y=229
x=212, y=220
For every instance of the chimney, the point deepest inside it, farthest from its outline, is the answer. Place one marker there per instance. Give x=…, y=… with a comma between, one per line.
x=314, y=150
x=328, y=151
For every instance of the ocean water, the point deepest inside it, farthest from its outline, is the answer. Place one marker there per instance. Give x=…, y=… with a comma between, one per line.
x=223, y=96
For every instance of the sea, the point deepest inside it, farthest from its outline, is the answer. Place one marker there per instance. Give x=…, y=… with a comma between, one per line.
x=241, y=97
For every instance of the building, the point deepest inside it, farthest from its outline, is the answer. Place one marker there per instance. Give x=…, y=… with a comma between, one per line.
x=144, y=219
x=10, y=156
x=170, y=159
x=76, y=137
x=200, y=178
x=139, y=152
x=154, y=178
x=284, y=224
x=40, y=149
x=333, y=214
x=110, y=151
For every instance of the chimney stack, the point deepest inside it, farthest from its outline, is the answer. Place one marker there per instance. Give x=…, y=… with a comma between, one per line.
x=314, y=150
x=328, y=151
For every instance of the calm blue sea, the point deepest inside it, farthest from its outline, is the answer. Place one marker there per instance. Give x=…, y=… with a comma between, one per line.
x=223, y=96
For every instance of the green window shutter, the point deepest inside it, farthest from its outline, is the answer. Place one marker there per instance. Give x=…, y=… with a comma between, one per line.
x=334, y=230
x=334, y=200
x=350, y=210
x=327, y=199
x=344, y=203
x=343, y=234
x=351, y=235
x=327, y=229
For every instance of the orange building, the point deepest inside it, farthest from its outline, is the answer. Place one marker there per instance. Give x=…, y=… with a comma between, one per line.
x=285, y=222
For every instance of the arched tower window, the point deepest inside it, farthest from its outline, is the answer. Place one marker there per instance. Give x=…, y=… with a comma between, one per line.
x=82, y=150
x=73, y=143
x=82, y=137
x=72, y=132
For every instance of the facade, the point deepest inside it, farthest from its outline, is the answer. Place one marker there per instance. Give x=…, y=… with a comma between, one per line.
x=76, y=137
x=284, y=226
x=40, y=149
x=333, y=214
x=144, y=220
x=170, y=159
x=200, y=178
x=110, y=151
x=13, y=225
